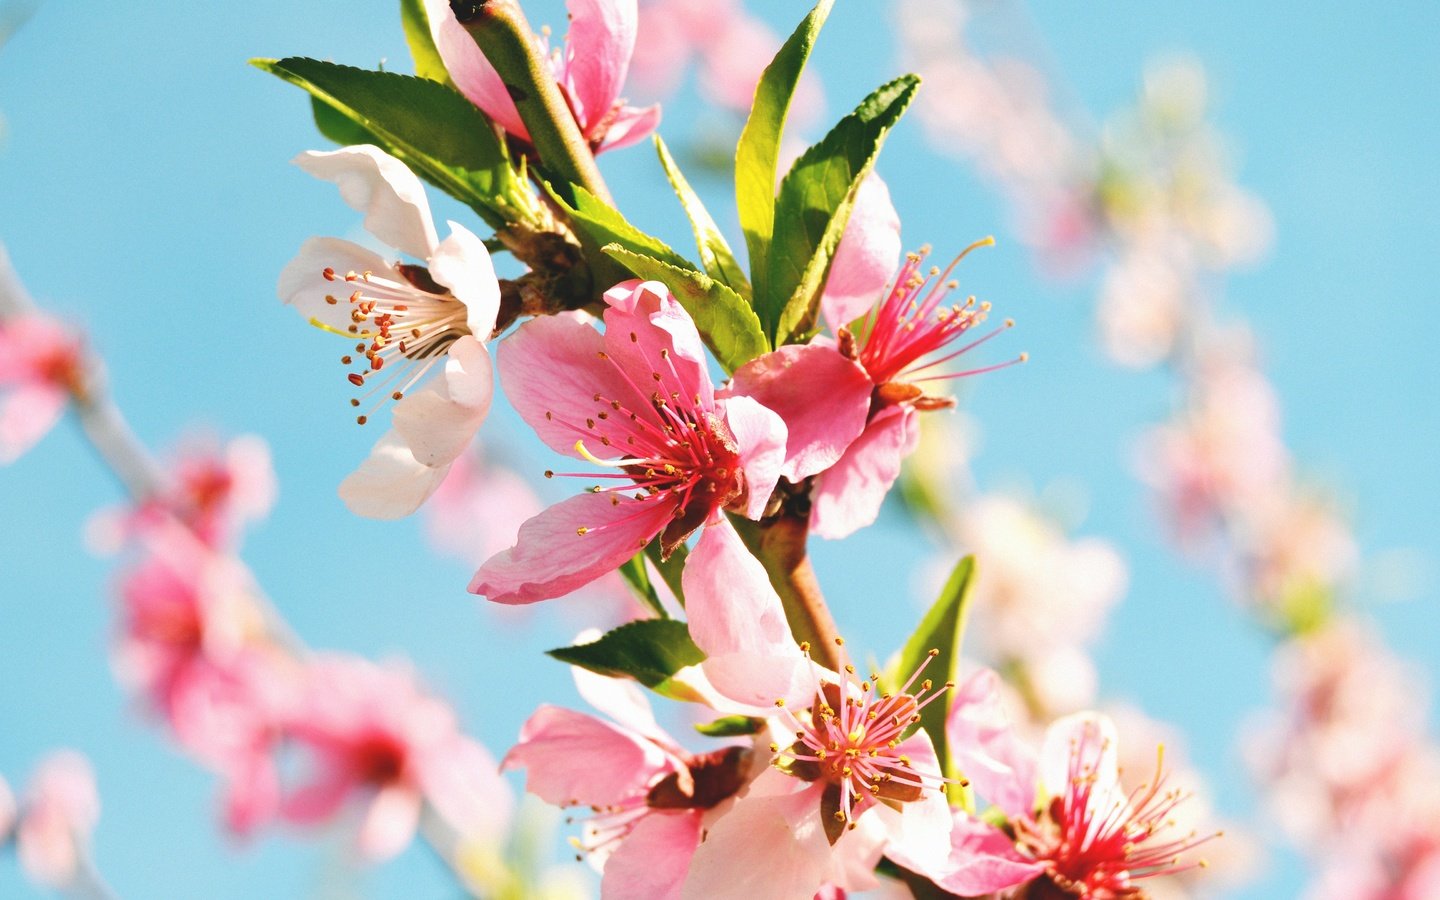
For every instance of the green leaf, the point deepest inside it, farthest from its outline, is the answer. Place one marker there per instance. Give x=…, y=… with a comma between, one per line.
x=416, y=23
x=715, y=253
x=337, y=126
x=731, y=726
x=428, y=126
x=638, y=577
x=758, y=153
x=602, y=224
x=941, y=630
x=814, y=205
x=726, y=322
x=669, y=569
x=648, y=650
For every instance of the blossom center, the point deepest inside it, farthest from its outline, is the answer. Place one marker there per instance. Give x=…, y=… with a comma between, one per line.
x=379, y=759
x=895, y=341
x=405, y=324
x=850, y=739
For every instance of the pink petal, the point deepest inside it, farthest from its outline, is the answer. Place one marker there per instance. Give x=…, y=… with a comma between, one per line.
x=848, y=495
x=982, y=860
x=866, y=259
x=26, y=415
x=571, y=758
x=1086, y=741
x=644, y=322
x=922, y=827
x=439, y=420
x=303, y=286
x=462, y=264
x=653, y=859
x=630, y=126
x=760, y=434
x=551, y=558
x=731, y=605
x=771, y=846
x=320, y=799
x=551, y=371
x=470, y=70
x=390, y=483
x=623, y=700
x=823, y=397
x=464, y=785
x=390, y=822
x=597, y=56
x=384, y=189
x=1000, y=766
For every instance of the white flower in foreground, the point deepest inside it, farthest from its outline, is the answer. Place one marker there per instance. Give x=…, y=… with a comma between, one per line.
x=405, y=319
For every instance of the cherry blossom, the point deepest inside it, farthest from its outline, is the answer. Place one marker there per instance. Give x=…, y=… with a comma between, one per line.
x=40, y=369
x=405, y=320
x=58, y=812
x=640, y=395
x=590, y=71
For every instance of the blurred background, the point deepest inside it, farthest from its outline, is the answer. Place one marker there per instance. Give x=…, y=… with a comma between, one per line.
x=147, y=194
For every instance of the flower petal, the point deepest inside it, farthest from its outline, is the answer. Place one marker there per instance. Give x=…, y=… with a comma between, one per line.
x=823, y=397
x=570, y=545
x=866, y=259
x=847, y=497
x=643, y=325
x=1084, y=744
x=653, y=859
x=597, y=56
x=390, y=483
x=572, y=758
x=26, y=415
x=1000, y=766
x=767, y=845
x=760, y=434
x=390, y=822
x=621, y=699
x=551, y=369
x=303, y=286
x=462, y=264
x=438, y=421
x=630, y=126
x=470, y=70
x=384, y=189
x=982, y=860
x=922, y=827
x=466, y=788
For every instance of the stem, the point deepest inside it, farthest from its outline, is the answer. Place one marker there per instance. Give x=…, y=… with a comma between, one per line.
x=503, y=35
x=116, y=444
x=779, y=544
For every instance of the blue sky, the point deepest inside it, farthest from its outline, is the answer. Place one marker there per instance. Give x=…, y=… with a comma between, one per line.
x=147, y=193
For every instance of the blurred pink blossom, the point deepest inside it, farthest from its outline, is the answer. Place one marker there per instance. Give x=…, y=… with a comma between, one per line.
x=40, y=368
x=590, y=70
x=375, y=743
x=59, y=811
x=8, y=811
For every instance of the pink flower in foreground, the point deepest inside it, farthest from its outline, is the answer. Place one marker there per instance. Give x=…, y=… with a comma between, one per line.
x=590, y=71
x=40, y=368
x=639, y=394
x=845, y=783
x=849, y=403
x=1074, y=827
x=376, y=743
x=405, y=319
x=651, y=800
x=59, y=811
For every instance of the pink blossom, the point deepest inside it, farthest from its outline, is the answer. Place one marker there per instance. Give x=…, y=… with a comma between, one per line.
x=651, y=799
x=40, y=368
x=379, y=745
x=590, y=71
x=405, y=320
x=59, y=811
x=1070, y=817
x=214, y=491
x=639, y=394
x=843, y=785
x=870, y=379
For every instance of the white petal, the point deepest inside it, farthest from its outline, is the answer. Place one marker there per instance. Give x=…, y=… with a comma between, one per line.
x=463, y=265
x=384, y=189
x=304, y=286
x=438, y=421
x=390, y=483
